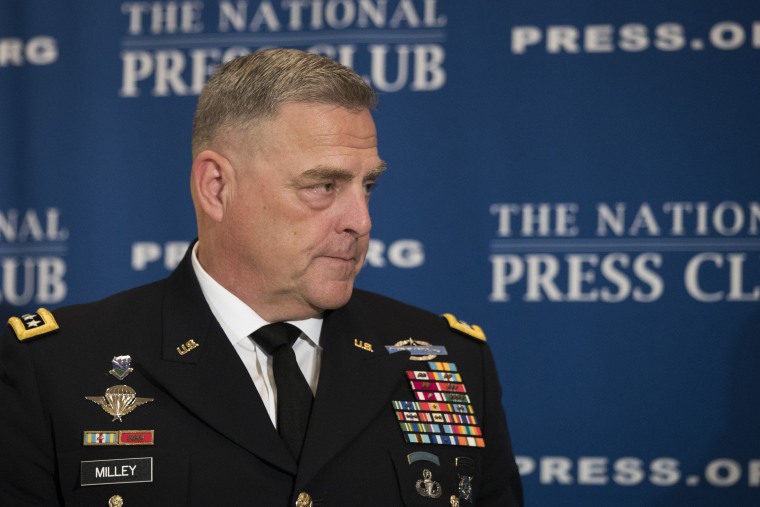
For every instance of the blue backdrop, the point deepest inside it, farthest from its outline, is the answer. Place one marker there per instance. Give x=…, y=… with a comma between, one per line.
x=578, y=178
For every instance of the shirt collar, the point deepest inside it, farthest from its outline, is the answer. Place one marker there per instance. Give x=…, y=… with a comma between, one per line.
x=236, y=318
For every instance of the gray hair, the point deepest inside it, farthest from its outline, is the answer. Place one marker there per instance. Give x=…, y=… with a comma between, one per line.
x=253, y=87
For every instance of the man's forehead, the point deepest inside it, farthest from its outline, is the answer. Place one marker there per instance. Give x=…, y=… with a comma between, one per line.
x=309, y=129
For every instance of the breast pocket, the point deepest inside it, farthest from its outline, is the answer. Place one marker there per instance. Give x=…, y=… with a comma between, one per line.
x=437, y=476
x=114, y=477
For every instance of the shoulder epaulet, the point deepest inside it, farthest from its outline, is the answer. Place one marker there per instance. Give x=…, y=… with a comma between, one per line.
x=472, y=331
x=33, y=324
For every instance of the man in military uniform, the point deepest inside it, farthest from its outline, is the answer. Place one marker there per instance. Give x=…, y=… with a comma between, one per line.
x=255, y=374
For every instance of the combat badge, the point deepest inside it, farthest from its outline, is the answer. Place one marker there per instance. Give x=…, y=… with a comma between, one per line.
x=418, y=350
x=120, y=367
x=33, y=324
x=119, y=401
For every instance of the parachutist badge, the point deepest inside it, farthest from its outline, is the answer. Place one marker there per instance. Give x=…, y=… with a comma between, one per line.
x=119, y=401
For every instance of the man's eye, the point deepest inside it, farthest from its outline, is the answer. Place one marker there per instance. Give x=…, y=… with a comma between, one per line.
x=369, y=187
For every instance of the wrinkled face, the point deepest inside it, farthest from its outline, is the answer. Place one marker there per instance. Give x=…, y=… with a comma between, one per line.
x=298, y=216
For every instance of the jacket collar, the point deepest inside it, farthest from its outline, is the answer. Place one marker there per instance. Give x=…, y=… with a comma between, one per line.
x=209, y=379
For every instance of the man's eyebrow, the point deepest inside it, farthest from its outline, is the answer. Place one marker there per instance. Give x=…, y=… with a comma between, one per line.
x=335, y=174
x=377, y=171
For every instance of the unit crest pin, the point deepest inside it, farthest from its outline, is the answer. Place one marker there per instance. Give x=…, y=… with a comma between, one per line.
x=121, y=366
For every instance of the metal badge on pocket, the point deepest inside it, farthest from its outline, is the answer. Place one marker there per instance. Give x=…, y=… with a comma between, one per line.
x=427, y=487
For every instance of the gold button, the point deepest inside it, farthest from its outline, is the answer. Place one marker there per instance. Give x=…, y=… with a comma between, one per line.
x=115, y=501
x=303, y=500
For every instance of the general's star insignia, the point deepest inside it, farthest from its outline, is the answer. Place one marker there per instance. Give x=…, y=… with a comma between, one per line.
x=33, y=324
x=463, y=327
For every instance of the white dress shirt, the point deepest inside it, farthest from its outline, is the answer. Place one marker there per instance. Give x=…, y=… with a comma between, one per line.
x=239, y=321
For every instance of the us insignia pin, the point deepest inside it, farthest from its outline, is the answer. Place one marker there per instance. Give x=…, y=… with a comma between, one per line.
x=119, y=401
x=187, y=347
x=120, y=367
x=361, y=344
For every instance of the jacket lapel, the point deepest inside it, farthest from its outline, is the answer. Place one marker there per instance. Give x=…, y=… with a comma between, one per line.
x=354, y=386
x=209, y=380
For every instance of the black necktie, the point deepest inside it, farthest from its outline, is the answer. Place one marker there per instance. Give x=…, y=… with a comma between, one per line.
x=294, y=397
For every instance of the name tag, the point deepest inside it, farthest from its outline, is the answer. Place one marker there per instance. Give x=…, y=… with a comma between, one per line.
x=116, y=471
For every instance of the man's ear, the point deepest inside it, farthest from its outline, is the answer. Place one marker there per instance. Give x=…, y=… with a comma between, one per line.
x=211, y=179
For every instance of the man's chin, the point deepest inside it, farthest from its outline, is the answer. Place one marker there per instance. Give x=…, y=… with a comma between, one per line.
x=332, y=295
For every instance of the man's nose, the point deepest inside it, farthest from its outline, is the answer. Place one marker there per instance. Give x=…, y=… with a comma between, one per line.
x=355, y=213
